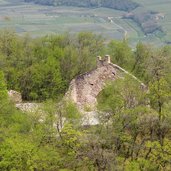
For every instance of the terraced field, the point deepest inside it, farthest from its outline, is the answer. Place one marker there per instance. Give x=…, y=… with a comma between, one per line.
x=40, y=20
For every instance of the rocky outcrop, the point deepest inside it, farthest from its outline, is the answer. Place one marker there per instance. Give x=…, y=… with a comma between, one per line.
x=15, y=96
x=29, y=107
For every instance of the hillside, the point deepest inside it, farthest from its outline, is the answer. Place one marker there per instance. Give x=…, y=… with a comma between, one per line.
x=147, y=20
x=125, y=5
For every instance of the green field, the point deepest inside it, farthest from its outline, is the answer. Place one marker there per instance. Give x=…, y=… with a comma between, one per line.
x=40, y=20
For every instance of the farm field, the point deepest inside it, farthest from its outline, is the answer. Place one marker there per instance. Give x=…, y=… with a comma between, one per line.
x=38, y=20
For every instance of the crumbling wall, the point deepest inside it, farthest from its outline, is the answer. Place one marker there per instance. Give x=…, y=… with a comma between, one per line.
x=84, y=88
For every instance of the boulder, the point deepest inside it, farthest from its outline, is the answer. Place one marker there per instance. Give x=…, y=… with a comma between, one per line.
x=15, y=96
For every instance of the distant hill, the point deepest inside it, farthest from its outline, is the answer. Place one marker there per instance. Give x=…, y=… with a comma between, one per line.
x=146, y=20
x=125, y=5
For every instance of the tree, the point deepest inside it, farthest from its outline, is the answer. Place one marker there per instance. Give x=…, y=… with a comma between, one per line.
x=142, y=55
x=42, y=81
x=88, y=45
x=121, y=54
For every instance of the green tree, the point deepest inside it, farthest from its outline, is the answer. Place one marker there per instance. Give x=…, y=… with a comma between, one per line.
x=142, y=55
x=121, y=54
x=42, y=81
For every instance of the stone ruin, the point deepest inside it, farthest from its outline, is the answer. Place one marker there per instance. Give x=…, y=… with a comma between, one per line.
x=84, y=89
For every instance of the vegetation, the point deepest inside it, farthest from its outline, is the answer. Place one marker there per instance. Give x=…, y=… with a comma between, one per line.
x=125, y=5
x=134, y=121
x=147, y=20
x=42, y=68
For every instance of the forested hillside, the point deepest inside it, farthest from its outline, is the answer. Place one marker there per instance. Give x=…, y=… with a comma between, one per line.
x=125, y=5
x=134, y=130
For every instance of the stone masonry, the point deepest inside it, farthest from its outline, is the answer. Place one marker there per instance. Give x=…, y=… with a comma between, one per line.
x=84, y=88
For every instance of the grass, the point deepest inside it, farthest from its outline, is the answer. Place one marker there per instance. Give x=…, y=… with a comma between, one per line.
x=40, y=20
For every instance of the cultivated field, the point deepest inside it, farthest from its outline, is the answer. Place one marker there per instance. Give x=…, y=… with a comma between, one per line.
x=40, y=20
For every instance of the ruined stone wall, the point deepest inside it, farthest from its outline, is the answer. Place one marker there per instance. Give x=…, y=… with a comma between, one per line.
x=84, y=88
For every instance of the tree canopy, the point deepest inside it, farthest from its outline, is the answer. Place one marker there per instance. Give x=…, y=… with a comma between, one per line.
x=134, y=130
x=125, y=5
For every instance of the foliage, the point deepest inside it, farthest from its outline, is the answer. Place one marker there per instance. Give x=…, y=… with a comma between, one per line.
x=121, y=54
x=42, y=81
x=127, y=5
x=134, y=130
x=42, y=68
